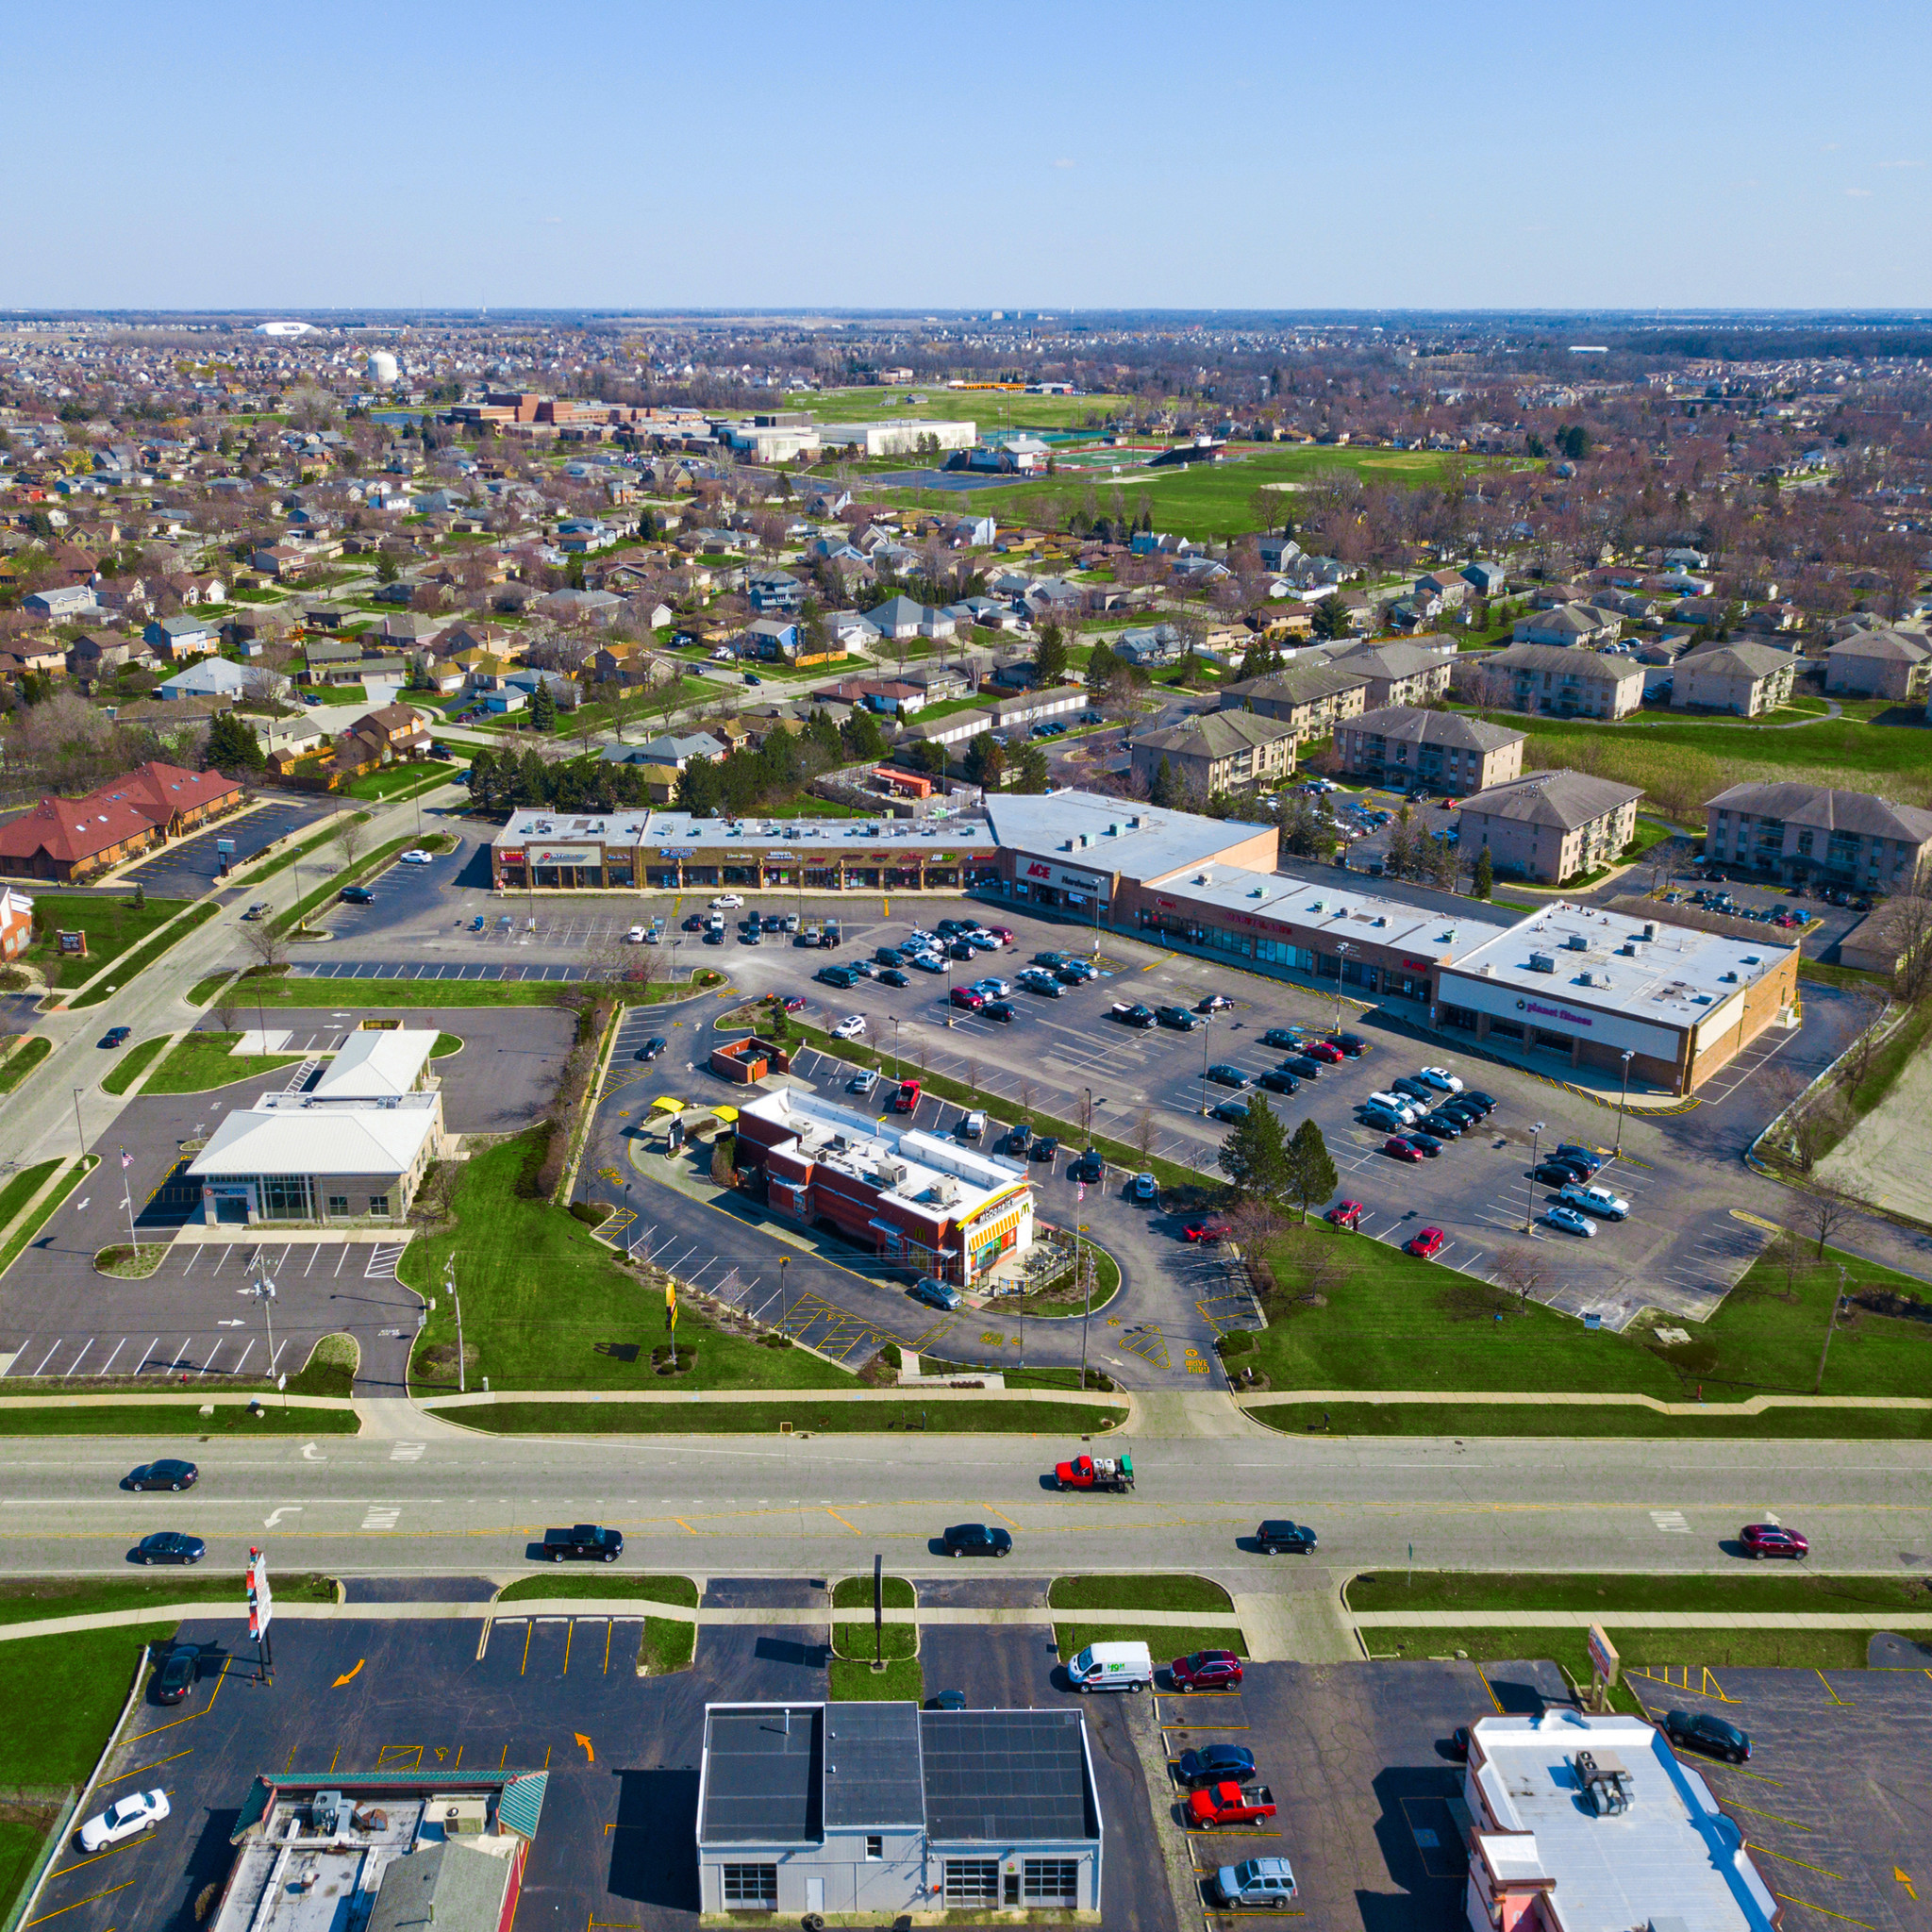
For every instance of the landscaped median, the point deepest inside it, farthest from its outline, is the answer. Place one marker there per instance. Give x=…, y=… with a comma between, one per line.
x=199, y=1064
x=664, y=1644
x=69, y=1414
x=1792, y=1419
x=938, y=1412
x=24, y=1053
x=1097, y=1595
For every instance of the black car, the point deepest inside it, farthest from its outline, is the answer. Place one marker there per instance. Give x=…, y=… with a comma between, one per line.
x=115, y=1036
x=1214, y=1765
x=1455, y=1111
x=1281, y=1035
x=947, y=1700
x=1424, y=1143
x=1302, y=1067
x=960, y=950
x=1088, y=1168
x=357, y=895
x=653, y=1048
x=1177, y=1017
x=1278, y=1534
x=890, y=956
x=695, y=923
x=997, y=1010
x=1353, y=1045
x=165, y=1475
x=1225, y=1076
x=751, y=937
x=890, y=975
x=947, y=927
x=1416, y=1089
x=1588, y=1158
x=168, y=1546
x=1485, y=1104
x=1276, y=1080
x=977, y=1539
x=1045, y=1148
x=176, y=1675
x=590, y=1541
x=1702, y=1732
x=1445, y=1126
x=1233, y=1111
x=1556, y=1173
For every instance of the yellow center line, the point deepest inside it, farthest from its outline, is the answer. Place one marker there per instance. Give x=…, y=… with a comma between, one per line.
x=570, y=1630
x=1843, y=1917
x=841, y=1521
x=78, y=1902
x=609, y=1625
x=1784, y=1858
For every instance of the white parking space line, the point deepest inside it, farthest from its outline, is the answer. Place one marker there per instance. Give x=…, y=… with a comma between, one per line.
x=182, y=1353
x=49, y=1355
x=75, y=1363
x=106, y=1365
x=194, y=1254
x=224, y=1261
x=242, y=1357
x=314, y=1249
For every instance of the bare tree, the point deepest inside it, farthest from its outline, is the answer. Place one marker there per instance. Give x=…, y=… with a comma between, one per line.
x=351, y=839
x=1520, y=1270
x=1825, y=1211
x=1144, y=1133
x=270, y=948
x=1908, y=927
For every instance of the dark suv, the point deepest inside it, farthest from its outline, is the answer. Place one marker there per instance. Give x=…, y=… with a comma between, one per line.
x=977, y=1539
x=1278, y=1534
x=176, y=1675
x=1702, y=1732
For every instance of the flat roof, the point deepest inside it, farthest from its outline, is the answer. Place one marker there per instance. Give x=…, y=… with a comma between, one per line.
x=1088, y=831
x=1339, y=911
x=1678, y=978
x=1005, y=1774
x=872, y=1765
x=1672, y=1858
x=928, y=1174
x=762, y=1773
x=680, y=830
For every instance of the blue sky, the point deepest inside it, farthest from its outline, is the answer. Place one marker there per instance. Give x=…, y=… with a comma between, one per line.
x=1054, y=156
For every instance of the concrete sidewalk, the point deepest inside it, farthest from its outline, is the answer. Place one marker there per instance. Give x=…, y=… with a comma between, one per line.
x=1658, y=1620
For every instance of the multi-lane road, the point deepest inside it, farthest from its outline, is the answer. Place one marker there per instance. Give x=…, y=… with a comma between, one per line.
x=468, y=1505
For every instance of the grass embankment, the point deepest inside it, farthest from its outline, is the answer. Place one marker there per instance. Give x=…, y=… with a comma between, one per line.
x=1392, y=1322
x=61, y=1695
x=805, y=1416
x=202, y=1061
x=1169, y=1593
x=173, y=1422
x=144, y=957
x=330, y=1369
x=855, y=1594
x=284, y=994
x=567, y=1583
x=400, y=781
x=132, y=1064
x=111, y=925
x=19, y=1189
x=1607, y=1421
x=21, y=1059
x=1166, y=1641
x=45, y=1212
x=545, y=1305
x=29, y=1599
x=1642, y=1650
x=1782, y=1590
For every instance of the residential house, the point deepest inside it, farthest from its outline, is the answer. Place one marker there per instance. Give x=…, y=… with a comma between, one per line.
x=400, y=629
x=100, y=655
x=281, y=561
x=1746, y=679
x=660, y=781
x=906, y=617
x=61, y=603
x=1448, y=586
x=1567, y=624
x=564, y=691
x=1313, y=697
x=1149, y=644
x=774, y=592
x=1218, y=750
x=633, y=665
x=1550, y=825
x=181, y=637
x=1405, y=673
x=332, y=660
x=215, y=677
x=1433, y=751
x=1894, y=664
x=676, y=751
x=1485, y=579
x=1559, y=681
x=1801, y=832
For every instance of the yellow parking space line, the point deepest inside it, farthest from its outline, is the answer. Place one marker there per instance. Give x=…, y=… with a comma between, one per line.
x=146, y=1768
x=1786, y=1861
x=570, y=1630
x=1494, y=1698
x=113, y=1851
x=529, y=1631
x=1738, y=1806
x=1844, y=1918
x=77, y=1904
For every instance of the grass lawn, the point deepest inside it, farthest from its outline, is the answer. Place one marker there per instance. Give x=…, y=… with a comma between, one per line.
x=17, y=1192
x=1604, y=1420
x=1641, y=1650
x=855, y=1681
x=546, y=1305
x=112, y=925
x=53, y=1417
x=1780, y=1589
x=763, y=1418
x=20, y=1845
x=988, y=407
x=132, y=1063
x=1166, y=1641
x=1392, y=1322
x=21, y=1059
x=392, y=780
x=27, y=1599
x=1138, y=1593
x=202, y=1061
x=145, y=955
x=61, y=1695
x=666, y=1645
x=656, y=1589
x=1649, y=832
x=39, y=1218
x=855, y=1594
x=896, y=1641
x=297, y=994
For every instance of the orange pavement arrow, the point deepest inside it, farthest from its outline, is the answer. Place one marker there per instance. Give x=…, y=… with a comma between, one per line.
x=589, y=1754
x=347, y=1675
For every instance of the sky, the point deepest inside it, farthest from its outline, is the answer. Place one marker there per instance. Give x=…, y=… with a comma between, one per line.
x=904, y=154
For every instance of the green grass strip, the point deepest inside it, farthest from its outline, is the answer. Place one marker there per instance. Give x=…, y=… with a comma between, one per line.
x=21, y=1188
x=763, y=1418
x=28, y=1599
x=854, y=1681
x=144, y=1421
x=1166, y=1641
x=365, y=867
x=40, y=1215
x=1640, y=1649
x=667, y=1645
x=22, y=1060
x=1171, y=1592
x=63, y=1695
x=855, y=1639
x=283, y=860
x=855, y=1594
x=140, y=960
x=1771, y=1590
x=202, y=1061
x=367, y=993
x=132, y=1064
x=1606, y=1420
x=567, y=1583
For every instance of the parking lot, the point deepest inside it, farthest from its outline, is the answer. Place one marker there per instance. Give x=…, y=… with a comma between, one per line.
x=614, y=1847
x=186, y=868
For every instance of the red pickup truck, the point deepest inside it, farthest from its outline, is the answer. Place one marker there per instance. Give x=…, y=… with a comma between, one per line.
x=1096, y=1473
x=1229, y=1804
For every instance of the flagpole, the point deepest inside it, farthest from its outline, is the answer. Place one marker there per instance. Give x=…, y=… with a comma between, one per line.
x=127, y=1202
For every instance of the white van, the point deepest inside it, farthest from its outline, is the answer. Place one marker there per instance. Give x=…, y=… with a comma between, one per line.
x=1111, y=1667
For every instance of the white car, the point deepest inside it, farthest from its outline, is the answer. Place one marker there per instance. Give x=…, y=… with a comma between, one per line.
x=1595, y=1201
x=927, y=962
x=726, y=900
x=850, y=1027
x=415, y=856
x=125, y=1818
x=992, y=987
x=1396, y=1102
x=920, y=940
x=720, y=655
x=1439, y=1077
x=635, y=937
x=973, y=1125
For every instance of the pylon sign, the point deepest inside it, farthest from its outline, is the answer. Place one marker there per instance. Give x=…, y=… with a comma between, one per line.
x=260, y=1598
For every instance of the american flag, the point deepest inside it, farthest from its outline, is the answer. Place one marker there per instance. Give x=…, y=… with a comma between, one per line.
x=127, y=1159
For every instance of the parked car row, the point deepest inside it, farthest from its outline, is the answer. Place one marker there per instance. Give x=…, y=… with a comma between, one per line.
x=1424, y=1111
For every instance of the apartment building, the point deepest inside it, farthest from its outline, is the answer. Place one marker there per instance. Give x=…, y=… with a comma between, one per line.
x=1799, y=832
x=1434, y=751
x=1566, y=626
x=1551, y=825
x=1408, y=674
x=1893, y=664
x=1746, y=679
x=1221, y=751
x=1314, y=698
x=1557, y=682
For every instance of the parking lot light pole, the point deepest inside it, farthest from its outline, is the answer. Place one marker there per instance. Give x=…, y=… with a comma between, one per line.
x=449, y=1281
x=895, y=1047
x=1838, y=1302
x=1624, y=1104
x=1535, y=1134
x=79, y=1132
x=1342, y=952
x=1206, y=1035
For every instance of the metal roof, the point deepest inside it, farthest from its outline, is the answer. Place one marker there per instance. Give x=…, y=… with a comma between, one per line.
x=763, y=1775
x=1004, y=1775
x=872, y=1765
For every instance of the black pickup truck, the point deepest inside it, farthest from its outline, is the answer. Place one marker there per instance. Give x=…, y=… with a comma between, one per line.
x=583, y=1540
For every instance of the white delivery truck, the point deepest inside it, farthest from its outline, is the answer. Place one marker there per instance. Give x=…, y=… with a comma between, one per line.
x=1111, y=1667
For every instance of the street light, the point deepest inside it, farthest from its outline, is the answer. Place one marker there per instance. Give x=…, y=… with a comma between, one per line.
x=895, y=1047
x=449, y=1281
x=1529, y=1211
x=264, y=1290
x=1206, y=1035
x=1342, y=952
x=1624, y=1104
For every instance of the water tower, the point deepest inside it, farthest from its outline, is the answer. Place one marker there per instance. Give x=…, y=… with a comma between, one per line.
x=383, y=372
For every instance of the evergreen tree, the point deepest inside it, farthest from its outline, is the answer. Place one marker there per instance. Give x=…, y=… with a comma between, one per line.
x=1311, y=1175
x=1254, y=1155
x=1164, y=787
x=232, y=745
x=1484, y=878
x=542, y=708
x=1032, y=775
x=1101, y=665
x=1050, y=658
x=986, y=761
x=1330, y=620
x=860, y=735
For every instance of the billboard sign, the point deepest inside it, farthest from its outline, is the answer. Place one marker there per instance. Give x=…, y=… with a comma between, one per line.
x=261, y=1599
x=1603, y=1655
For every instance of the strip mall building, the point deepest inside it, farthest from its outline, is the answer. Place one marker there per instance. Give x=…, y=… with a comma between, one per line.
x=1581, y=984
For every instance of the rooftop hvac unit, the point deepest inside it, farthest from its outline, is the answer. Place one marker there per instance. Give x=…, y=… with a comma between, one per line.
x=1541, y=962
x=1650, y=928
x=1488, y=971
x=1380, y=921
x=1576, y=943
x=326, y=1813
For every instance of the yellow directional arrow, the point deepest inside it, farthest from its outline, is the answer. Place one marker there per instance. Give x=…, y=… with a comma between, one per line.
x=589, y=1756
x=1898, y=1873
x=347, y=1675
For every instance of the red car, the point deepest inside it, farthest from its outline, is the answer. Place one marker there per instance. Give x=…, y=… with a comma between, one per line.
x=1770, y=1540
x=1322, y=1050
x=964, y=996
x=1211, y=1230
x=1346, y=1214
x=1400, y=1148
x=1206, y=1670
x=1002, y=933
x=1429, y=1241
x=795, y=1004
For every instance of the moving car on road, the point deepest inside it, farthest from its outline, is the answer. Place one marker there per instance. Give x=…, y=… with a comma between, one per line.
x=126, y=1817
x=589, y=1542
x=977, y=1539
x=1702, y=1732
x=260, y=910
x=165, y=1475
x=1114, y=1473
x=168, y=1546
x=1773, y=1540
x=1278, y=1534
x=652, y=1047
x=115, y=1036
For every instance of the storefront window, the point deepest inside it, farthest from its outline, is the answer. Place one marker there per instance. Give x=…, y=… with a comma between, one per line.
x=618, y=873
x=820, y=878
x=1279, y=953
x=865, y=877
x=903, y=877
x=942, y=878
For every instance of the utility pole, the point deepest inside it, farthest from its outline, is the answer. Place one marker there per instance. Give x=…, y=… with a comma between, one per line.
x=1622, y=1105
x=1341, y=968
x=79, y=1132
x=1831, y=1322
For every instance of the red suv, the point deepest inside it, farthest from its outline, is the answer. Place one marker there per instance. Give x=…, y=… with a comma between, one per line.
x=1323, y=1050
x=1206, y=1670
x=1346, y=1214
x=907, y=1099
x=964, y=996
x=1429, y=1241
x=1770, y=1540
x=1399, y=1149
